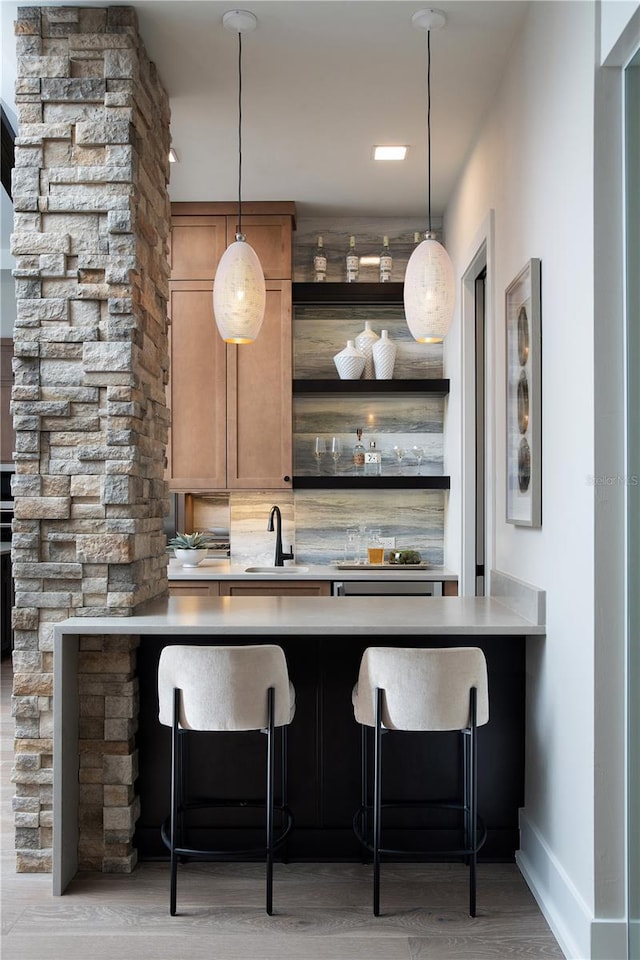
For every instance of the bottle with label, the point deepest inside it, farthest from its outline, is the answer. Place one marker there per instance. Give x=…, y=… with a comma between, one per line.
x=372, y=460
x=320, y=262
x=416, y=238
x=386, y=261
x=358, y=452
x=353, y=263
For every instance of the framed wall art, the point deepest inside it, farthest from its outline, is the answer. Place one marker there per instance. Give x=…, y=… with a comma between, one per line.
x=523, y=398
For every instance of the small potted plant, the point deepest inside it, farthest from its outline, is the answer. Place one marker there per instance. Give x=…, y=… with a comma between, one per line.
x=190, y=548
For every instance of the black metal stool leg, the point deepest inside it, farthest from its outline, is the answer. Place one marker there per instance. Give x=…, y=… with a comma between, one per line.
x=176, y=778
x=377, y=803
x=269, y=801
x=473, y=813
x=364, y=789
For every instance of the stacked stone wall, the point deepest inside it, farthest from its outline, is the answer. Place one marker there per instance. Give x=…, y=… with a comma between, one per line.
x=90, y=240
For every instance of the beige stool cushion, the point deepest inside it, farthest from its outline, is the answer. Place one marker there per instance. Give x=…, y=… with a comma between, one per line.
x=424, y=689
x=224, y=687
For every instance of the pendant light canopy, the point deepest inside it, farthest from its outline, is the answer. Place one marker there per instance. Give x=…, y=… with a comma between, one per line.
x=429, y=283
x=239, y=291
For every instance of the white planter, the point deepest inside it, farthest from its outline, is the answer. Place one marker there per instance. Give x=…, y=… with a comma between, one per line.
x=384, y=357
x=190, y=558
x=364, y=343
x=349, y=362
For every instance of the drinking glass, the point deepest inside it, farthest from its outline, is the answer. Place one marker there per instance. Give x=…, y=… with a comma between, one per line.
x=319, y=448
x=375, y=549
x=336, y=451
x=398, y=453
x=418, y=453
x=352, y=545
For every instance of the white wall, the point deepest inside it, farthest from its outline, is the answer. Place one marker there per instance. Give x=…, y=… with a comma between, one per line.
x=533, y=166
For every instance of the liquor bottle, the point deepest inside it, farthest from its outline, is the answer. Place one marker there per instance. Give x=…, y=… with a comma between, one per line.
x=386, y=261
x=358, y=451
x=373, y=460
x=416, y=238
x=352, y=261
x=320, y=262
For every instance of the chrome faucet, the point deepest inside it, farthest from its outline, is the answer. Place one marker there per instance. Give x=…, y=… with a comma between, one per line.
x=281, y=556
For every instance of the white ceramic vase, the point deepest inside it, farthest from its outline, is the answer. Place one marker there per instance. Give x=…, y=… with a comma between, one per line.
x=364, y=343
x=384, y=357
x=349, y=362
x=190, y=558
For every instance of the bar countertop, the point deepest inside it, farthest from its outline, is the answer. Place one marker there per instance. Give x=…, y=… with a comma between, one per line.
x=277, y=616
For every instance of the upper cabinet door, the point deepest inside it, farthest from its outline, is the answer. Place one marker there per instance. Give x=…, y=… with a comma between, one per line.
x=259, y=448
x=197, y=243
x=271, y=238
x=196, y=391
x=199, y=239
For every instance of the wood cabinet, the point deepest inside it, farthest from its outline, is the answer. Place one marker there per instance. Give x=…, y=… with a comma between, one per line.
x=194, y=588
x=231, y=409
x=7, y=434
x=250, y=588
x=275, y=588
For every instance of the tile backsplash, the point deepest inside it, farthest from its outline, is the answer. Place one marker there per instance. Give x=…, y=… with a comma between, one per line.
x=315, y=521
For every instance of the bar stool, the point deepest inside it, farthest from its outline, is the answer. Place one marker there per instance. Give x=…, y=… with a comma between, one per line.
x=420, y=690
x=215, y=689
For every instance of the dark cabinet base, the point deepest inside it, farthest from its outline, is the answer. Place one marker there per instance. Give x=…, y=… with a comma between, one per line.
x=324, y=755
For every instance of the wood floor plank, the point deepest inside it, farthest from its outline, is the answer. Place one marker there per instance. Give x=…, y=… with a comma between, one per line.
x=199, y=947
x=482, y=948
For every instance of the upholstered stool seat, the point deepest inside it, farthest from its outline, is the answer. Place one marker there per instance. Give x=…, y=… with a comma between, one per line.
x=403, y=689
x=218, y=689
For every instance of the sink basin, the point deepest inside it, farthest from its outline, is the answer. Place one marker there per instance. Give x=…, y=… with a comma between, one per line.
x=278, y=571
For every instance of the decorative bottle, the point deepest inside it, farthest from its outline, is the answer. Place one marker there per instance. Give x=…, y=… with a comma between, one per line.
x=320, y=262
x=386, y=261
x=384, y=357
x=373, y=460
x=353, y=263
x=349, y=362
x=364, y=343
x=358, y=451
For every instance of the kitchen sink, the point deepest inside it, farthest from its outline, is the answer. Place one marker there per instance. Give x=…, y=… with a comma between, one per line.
x=278, y=571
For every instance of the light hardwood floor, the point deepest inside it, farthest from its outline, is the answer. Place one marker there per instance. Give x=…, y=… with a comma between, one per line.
x=322, y=910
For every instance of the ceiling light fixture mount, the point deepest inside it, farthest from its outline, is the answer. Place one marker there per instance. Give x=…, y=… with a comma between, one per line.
x=239, y=289
x=429, y=283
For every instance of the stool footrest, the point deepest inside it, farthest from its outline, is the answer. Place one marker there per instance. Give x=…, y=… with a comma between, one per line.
x=209, y=852
x=366, y=811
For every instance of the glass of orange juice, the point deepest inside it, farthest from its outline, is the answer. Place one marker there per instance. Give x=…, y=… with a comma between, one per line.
x=375, y=549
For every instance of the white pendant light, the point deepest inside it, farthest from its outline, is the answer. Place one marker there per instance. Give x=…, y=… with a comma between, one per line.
x=239, y=291
x=429, y=283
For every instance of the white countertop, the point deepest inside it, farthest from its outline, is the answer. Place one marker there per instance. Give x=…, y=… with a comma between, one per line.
x=273, y=616
x=222, y=568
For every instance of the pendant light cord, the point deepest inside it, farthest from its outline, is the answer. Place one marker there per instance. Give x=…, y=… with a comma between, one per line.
x=239, y=132
x=429, y=126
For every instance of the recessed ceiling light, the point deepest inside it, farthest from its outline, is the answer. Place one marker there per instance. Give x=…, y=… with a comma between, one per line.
x=173, y=156
x=389, y=152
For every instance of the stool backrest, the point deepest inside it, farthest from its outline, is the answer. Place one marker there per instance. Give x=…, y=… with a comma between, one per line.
x=424, y=689
x=224, y=687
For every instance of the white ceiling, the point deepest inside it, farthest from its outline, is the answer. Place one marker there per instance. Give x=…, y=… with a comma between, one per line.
x=323, y=80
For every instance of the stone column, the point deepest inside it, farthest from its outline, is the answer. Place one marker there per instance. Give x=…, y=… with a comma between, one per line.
x=91, y=226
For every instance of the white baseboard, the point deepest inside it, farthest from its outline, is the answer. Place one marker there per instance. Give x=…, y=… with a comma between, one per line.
x=580, y=935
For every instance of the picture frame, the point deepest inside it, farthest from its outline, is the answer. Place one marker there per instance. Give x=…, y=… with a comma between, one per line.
x=523, y=366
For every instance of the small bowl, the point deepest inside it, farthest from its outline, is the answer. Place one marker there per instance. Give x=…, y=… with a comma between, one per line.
x=190, y=558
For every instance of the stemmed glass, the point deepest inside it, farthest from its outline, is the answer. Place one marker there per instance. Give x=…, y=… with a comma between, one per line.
x=336, y=451
x=319, y=448
x=399, y=452
x=418, y=453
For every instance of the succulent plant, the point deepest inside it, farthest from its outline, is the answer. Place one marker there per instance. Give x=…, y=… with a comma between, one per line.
x=190, y=541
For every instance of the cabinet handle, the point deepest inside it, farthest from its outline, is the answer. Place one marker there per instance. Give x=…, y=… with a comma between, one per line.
x=287, y=478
